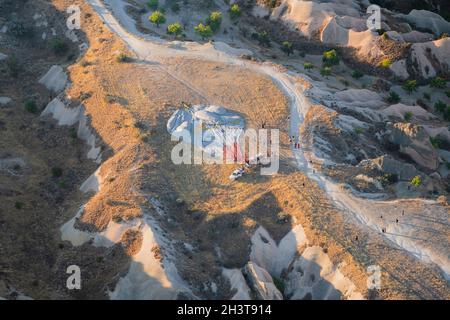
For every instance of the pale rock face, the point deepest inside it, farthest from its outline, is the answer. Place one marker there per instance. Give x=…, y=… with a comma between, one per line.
x=387, y=164
x=414, y=142
x=55, y=79
x=399, y=69
x=428, y=20
x=4, y=101
x=261, y=282
x=3, y=56
x=428, y=56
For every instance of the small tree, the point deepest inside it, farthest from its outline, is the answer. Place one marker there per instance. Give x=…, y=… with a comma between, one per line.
x=287, y=47
x=308, y=66
x=325, y=72
x=393, y=97
x=235, y=11
x=438, y=82
x=214, y=20
x=174, y=29
x=203, y=31
x=385, y=63
x=330, y=58
x=408, y=115
x=263, y=38
x=416, y=181
x=153, y=4
x=357, y=74
x=31, y=106
x=440, y=106
x=157, y=18
x=436, y=142
x=410, y=86
x=175, y=7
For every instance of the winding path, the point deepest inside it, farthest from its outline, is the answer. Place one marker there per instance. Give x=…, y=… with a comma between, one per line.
x=424, y=230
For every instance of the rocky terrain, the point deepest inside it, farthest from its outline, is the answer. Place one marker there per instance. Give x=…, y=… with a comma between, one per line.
x=86, y=176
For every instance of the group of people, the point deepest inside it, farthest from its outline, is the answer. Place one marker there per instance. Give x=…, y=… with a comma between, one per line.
x=295, y=141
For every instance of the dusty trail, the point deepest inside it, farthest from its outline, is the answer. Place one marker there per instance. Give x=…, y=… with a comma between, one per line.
x=426, y=238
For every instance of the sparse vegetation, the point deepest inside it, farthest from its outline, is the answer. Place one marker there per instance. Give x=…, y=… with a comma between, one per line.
x=388, y=179
x=283, y=217
x=410, y=86
x=393, y=97
x=427, y=96
x=203, y=31
x=385, y=63
x=287, y=48
x=18, y=205
x=416, y=181
x=330, y=58
x=235, y=11
x=438, y=82
x=57, y=172
x=440, y=106
x=31, y=106
x=14, y=66
x=262, y=37
x=59, y=46
x=308, y=66
x=357, y=74
x=279, y=284
x=175, y=7
x=408, y=116
x=157, y=18
x=214, y=20
x=122, y=57
x=436, y=142
x=325, y=72
x=153, y=4
x=174, y=29
x=359, y=130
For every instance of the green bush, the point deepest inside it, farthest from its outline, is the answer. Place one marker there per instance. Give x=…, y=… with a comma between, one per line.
x=308, y=66
x=175, y=7
x=59, y=46
x=157, y=18
x=18, y=205
x=357, y=74
x=325, y=72
x=235, y=11
x=393, y=97
x=279, y=284
x=359, y=130
x=410, y=86
x=438, y=82
x=122, y=57
x=214, y=20
x=440, y=106
x=436, y=142
x=408, y=115
x=448, y=93
x=388, y=178
x=31, y=106
x=57, y=172
x=174, y=29
x=262, y=37
x=287, y=47
x=330, y=58
x=14, y=66
x=153, y=4
x=385, y=63
x=283, y=217
x=416, y=181
x=203, y=31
